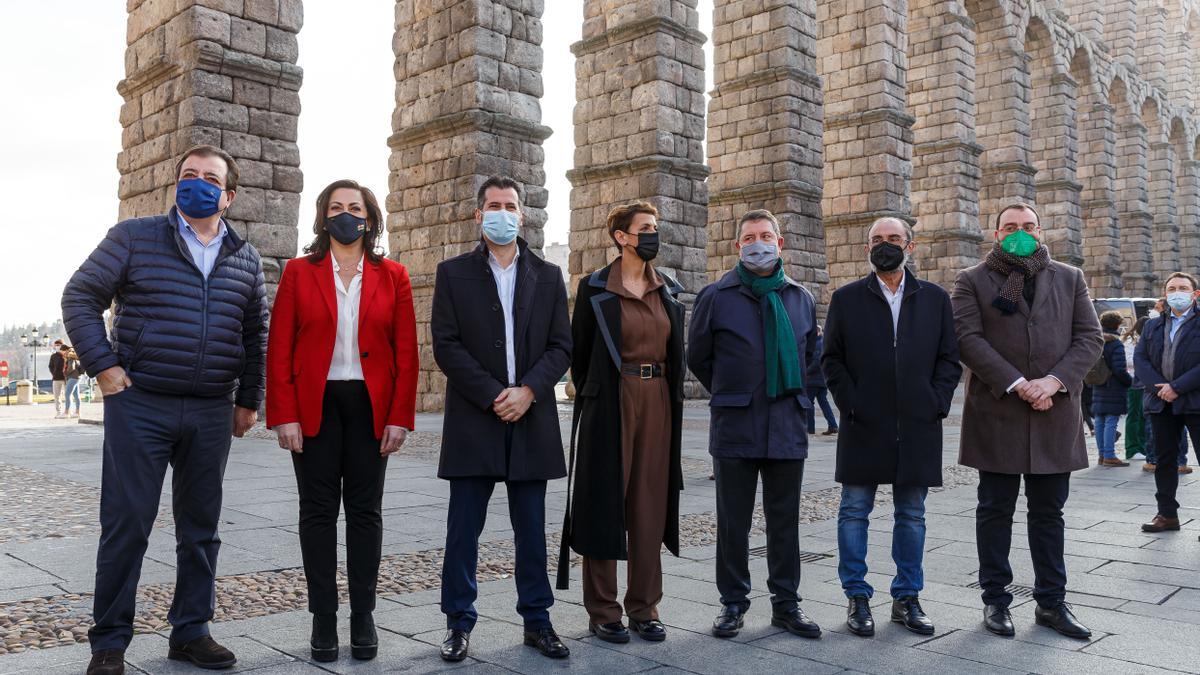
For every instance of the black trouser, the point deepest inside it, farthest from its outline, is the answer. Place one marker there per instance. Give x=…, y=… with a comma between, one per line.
x=341, y=464
x=1167, y=429
x=737, y=482
x=1045, y=494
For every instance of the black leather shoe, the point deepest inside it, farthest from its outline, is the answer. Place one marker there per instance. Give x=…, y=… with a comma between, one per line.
x=1062, y=620
x=728, y=622
x=908, y=612
x=107, y=662
x=858, y=616
x=796, y=623
x=547, y=642
x=456, y=644
x=998, y=620
x=324, y=640
x=203, y=652
x=364, y=641
x=615, y=633
x=651, y=631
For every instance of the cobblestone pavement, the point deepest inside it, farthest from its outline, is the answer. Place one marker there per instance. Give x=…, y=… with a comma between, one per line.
x=1140, y=593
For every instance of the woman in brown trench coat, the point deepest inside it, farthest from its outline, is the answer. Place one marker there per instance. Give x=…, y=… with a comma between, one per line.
x=625, y=469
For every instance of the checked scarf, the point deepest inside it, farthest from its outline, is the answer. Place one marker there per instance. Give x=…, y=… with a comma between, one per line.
x=1017, y=269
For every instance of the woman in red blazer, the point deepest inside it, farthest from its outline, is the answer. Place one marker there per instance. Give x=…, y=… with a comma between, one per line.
x=341, y=396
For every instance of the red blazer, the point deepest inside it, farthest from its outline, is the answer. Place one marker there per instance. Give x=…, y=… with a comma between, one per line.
x=303, y=330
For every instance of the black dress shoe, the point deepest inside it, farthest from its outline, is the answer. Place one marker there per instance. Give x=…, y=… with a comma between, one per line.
x=615, y=632
x=203, y=652
x=651, y=631
x=547, y=642
x=1062, y=620
x=364, y=641
x=908, y=611
x=998, y=620
x=324, y=639
x=728, y=622
x=456, y=644
x=107, y=662
x=796, y=623
x=858, y=616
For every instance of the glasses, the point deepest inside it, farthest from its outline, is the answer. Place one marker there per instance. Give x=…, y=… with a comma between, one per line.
x=896, y=239
x=1013, y=227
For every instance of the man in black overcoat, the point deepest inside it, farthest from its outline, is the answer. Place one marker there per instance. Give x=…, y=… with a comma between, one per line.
x=891, y=361
x=502, y=338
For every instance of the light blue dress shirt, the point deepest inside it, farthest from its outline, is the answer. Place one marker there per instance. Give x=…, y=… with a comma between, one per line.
x=204, y=255
x=1177, y=321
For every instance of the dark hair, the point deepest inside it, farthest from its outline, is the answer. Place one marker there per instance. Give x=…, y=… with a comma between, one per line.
x=1140, y=325
x=757, y=214
x=319, y=248
x=1110, y=321
x=502, y=182
x=1181, y=275
x=64, y=347
x=231, y=168
x=621, y=217
x=1021, y=206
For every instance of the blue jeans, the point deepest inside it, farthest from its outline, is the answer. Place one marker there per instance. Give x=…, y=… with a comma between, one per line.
x=1106, y=435
x=1152, y=454
x=72, y=391
x=820, y=395
x=908, y=539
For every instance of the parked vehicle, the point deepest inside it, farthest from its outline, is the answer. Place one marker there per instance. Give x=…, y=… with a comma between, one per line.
x=1130, y=309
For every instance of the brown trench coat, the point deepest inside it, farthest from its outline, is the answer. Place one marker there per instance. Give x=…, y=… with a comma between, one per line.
x=1060, y=336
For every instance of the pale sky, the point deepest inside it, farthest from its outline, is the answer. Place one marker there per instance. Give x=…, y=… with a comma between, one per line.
x=60, y=134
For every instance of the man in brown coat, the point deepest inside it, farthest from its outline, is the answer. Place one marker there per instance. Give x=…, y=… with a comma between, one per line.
x=1028, y=333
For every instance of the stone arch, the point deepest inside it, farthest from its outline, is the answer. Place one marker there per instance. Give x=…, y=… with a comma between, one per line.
x=1096, y=174
x=1131, y=191
x=1053, y=144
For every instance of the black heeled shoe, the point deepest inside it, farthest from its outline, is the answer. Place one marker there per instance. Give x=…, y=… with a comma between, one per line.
x=364, y=641
x=324, y=640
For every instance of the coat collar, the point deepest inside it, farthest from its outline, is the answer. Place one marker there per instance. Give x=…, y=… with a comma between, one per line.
x=912, y=283
x=1043, y=281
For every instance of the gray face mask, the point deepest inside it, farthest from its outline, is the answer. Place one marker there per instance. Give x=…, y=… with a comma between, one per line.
x=760, y=257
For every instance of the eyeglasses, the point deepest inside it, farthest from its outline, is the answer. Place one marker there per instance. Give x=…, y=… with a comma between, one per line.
x=1013, y=227
x=896, y=239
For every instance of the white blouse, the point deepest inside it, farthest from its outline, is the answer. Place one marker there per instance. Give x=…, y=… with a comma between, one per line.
x=346, y=364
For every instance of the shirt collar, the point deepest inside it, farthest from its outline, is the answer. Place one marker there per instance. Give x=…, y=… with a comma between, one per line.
x=1181, y=317
x=884, y=287
x=493, y=260
x=338, y=268
x=186, y=227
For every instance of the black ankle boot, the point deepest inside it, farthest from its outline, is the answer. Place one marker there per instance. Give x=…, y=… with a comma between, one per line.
x=324, y=640
x=364, y=642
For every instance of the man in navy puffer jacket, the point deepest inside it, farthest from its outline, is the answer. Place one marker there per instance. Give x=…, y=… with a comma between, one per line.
x=184, y=372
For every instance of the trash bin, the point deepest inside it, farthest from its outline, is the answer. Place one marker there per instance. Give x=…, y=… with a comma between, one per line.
x=25, y=392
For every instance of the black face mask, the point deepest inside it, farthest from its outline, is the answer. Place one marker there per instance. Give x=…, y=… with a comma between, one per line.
x=347, y=228
x=887, y=256
x=647, y=246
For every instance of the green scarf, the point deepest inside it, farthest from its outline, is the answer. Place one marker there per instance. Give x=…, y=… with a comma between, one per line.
x=780, y=353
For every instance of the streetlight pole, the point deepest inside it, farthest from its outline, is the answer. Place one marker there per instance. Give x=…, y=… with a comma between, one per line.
x=32, y=339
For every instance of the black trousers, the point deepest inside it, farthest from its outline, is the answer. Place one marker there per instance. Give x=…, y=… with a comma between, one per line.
x=1045, y=494
x=341, y=465
x=737, y=483
x=1167, y=430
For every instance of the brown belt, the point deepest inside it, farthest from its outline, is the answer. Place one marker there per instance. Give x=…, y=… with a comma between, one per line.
x=645, y=371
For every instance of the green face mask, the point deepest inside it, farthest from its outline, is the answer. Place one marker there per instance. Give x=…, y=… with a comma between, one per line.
x=1019, y=243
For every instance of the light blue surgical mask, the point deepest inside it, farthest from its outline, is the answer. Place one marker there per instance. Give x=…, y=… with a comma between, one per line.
x=500, y=227
x=760, y=257
x=1179, y=301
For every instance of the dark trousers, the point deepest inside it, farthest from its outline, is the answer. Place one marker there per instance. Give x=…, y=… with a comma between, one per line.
x=341, y=465
x=1045, y=495
x=145, y=432
x=1167, y=430
x=1085, y=406
x=1150, y=449
x=464, y=523
x=737, y=482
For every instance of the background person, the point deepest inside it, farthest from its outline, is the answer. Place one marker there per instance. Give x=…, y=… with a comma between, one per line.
x=1109, y=399
x=72, y=371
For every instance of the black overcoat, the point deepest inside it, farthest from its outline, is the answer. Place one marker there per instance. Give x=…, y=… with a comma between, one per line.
x=892, y=387
x=595, y=524
x=469, y=346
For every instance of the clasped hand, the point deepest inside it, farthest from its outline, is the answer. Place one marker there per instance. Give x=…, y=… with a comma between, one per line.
x=1166, y=392
x=1039, y=393
x=513, y=402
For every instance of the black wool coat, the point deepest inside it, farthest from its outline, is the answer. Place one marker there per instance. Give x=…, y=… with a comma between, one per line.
x=892, y=387
x=595, y=523
x=469, y=346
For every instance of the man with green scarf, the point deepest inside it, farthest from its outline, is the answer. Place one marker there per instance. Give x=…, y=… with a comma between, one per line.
x=751, y=337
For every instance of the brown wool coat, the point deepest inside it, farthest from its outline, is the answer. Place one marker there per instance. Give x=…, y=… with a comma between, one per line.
x=1059, y=336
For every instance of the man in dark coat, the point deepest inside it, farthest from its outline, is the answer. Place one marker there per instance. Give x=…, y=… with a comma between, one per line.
x=891, y=359
x=502, y=337
x=1167, y=361
x=1028, y=333
x=751, y=336
x=58, y=378
x=184, y=372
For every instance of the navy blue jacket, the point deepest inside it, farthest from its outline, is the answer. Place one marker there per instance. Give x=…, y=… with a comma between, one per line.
x=814, y=379
x=893, y=387
x=725, y=352
x=1147, y=363
x=1111, y=398
x=174, y=332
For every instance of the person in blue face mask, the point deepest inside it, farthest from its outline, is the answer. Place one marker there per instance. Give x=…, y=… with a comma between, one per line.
x=502, y=337
x=183, y=374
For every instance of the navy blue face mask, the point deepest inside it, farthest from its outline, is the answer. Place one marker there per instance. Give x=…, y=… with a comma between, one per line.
x=197, y=198
x=347, y=228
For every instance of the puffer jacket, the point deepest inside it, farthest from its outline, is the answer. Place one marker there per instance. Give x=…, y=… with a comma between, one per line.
x=1111, y=398
x=174, y=332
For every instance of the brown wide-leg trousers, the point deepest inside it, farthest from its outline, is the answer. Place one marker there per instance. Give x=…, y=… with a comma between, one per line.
x=645, y=460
